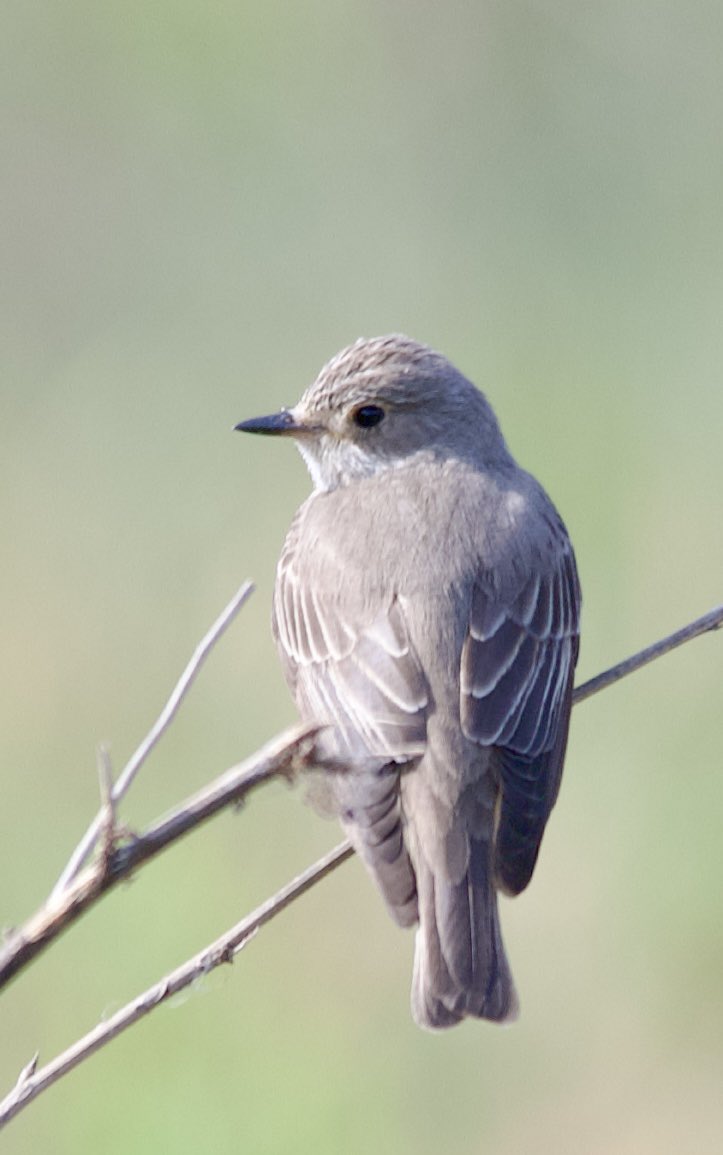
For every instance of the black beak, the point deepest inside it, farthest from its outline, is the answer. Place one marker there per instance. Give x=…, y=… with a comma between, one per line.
x=276, y=423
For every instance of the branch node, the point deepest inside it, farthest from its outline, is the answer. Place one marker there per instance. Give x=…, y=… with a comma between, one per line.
x=27, y=1072
x=239, y=946
x=160, y=993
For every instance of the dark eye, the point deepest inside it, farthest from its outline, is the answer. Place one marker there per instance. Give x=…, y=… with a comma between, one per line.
x=368, y=415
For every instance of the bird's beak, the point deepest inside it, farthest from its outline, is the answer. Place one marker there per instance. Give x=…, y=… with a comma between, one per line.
x=283, y=423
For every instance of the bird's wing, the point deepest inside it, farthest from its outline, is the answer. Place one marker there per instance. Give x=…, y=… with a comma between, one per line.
x=354, y=667
x=351, y=665
x=516, y=693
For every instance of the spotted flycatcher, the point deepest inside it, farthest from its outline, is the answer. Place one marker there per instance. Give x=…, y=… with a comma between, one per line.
x=426, y=609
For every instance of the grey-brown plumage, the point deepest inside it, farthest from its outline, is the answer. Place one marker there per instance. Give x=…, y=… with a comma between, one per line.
x=427, y=606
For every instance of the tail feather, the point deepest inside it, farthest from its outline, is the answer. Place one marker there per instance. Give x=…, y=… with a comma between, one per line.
x=460, y=964
x=431, y=973
x=432, y=860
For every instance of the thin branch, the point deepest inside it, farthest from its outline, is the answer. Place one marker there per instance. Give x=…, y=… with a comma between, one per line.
x=285, y=756
x=710, y=621
x=33, y=1081
x=107, y=830
x=156, y=731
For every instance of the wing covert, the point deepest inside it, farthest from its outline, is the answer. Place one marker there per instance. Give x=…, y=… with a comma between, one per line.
x=357, y=670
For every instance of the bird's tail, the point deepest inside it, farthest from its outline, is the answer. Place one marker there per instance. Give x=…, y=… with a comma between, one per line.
x=460, y=965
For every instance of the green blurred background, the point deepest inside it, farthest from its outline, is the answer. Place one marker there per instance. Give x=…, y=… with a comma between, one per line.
x=200, y=204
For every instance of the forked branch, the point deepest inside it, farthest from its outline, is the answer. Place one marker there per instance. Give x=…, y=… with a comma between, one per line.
x=287, y=754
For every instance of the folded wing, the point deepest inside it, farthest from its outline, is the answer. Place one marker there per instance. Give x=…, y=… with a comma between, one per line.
x=516, y=693
x=357, y=671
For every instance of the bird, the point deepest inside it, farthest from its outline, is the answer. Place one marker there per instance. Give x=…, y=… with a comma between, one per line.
x=426, y=612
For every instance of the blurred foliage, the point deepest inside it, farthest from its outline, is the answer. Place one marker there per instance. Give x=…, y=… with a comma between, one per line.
x=200, y=205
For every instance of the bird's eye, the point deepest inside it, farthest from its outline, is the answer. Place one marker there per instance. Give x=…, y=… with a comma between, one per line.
x=368, y=415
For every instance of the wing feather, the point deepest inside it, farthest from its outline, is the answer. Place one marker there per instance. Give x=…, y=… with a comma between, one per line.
x=516, y=693
x=355, y=668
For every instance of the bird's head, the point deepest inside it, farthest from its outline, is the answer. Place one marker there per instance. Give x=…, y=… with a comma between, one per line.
x=380, y=402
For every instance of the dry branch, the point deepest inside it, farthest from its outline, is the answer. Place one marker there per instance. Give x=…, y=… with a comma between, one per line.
x=281, y=757
x=157, y=730
x=32, y=1081
x=703, y=625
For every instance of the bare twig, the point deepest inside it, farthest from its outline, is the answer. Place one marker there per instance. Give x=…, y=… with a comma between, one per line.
x=32, y=1081
x=235, y=784
x=107, y=829
x=284, y=756
x=710, y=621
x=164, y=719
